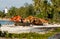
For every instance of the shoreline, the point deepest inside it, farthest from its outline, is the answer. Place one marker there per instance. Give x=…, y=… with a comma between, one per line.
x=5, y=19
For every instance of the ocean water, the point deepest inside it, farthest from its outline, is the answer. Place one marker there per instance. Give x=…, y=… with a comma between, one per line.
x=3, y=22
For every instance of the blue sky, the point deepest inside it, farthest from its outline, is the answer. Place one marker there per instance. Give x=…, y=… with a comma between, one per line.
x=16, y=3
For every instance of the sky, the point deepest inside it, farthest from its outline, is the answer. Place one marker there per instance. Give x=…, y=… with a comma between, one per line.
x=10, y=3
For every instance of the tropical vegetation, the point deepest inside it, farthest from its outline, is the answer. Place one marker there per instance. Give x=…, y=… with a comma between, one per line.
x=45, y=9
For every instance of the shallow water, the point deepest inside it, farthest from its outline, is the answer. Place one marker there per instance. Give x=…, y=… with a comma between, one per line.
x=3, y=22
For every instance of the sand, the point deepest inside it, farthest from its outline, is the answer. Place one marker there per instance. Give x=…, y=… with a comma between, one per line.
x=22, y=29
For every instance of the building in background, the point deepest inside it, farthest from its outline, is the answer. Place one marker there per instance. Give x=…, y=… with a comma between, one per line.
x=5, y=10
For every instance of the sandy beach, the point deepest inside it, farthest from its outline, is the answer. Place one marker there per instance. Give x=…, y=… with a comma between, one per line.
x=4, y=18
x=22, y=29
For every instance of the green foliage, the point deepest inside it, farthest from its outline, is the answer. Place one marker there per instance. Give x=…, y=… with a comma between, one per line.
x=49, y=11
x=2, y=14
x=24, y=11
x=11, y=12
x=56, y=30
x=29, y=35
